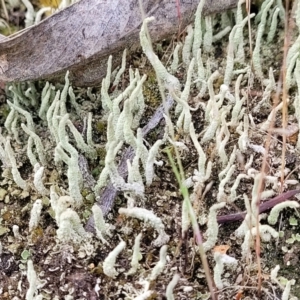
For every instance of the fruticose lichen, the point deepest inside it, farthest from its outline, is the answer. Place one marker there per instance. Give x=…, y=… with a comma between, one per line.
x=51, y=162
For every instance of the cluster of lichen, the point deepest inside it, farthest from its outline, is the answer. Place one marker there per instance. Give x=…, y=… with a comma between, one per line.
x=228, y=126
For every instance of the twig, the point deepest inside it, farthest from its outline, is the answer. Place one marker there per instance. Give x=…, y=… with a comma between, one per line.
x=107, y=198
x=262, y=207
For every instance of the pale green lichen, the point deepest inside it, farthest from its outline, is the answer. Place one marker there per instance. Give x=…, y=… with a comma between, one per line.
x=226, y=128
x=212, y=227
x=110, y=261
x=274, y=213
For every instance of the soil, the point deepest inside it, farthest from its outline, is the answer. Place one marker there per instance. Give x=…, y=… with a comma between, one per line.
x=75, y=271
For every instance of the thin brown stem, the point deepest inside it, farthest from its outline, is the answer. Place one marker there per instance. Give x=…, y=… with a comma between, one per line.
x=284, y=92
x=262, y=207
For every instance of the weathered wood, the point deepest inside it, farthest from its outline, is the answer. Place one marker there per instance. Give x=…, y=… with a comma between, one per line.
x=80, y=37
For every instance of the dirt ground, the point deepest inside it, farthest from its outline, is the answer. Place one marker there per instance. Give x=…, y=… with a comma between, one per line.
x=75, y=271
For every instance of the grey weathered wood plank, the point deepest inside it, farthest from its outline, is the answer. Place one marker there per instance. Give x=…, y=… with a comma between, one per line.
x=80, y=37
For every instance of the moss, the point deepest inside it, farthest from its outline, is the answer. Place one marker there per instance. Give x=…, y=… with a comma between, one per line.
x=151, y=91
x=100, y=127
x=4, y=111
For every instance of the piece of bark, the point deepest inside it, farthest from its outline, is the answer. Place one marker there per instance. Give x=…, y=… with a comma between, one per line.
x=81, y=37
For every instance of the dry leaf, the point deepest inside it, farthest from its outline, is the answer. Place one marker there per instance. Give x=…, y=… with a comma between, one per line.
x=221, y=249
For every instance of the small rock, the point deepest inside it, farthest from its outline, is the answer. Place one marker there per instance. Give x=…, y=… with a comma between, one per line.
x=3, y=193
